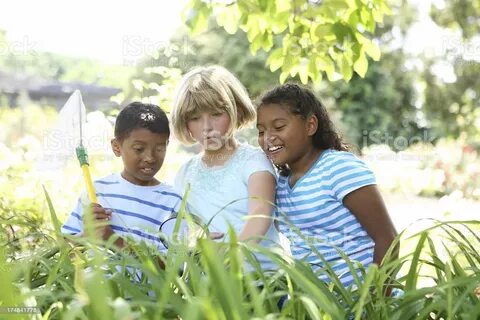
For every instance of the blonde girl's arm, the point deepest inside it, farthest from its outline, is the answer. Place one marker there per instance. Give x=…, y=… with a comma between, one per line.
x=261, y=193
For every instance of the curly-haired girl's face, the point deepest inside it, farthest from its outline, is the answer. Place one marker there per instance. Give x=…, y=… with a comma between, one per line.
x=284, y=137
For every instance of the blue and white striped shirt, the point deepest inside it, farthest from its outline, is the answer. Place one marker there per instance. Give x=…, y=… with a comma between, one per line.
x=312, y=214
x=138, y=211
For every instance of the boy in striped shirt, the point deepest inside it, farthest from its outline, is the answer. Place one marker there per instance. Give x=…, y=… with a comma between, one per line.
x=133, y=203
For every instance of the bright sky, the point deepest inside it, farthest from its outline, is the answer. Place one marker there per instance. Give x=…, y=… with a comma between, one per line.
x=111, y=31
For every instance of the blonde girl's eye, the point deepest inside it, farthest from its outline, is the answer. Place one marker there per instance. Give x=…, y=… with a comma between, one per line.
x=218, y=113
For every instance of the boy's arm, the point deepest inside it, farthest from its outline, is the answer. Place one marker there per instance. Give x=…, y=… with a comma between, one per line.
x=261, y=194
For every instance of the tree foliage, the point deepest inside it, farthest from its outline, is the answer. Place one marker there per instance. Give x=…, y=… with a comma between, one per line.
x=316, y=37
x=453, y=108
x=463, y=15
x=374, y=109
x=380, y=108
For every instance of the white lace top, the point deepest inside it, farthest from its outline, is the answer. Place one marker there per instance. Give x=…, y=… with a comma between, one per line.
x=220, y=193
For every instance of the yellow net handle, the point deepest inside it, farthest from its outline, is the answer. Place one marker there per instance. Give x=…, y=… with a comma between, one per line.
x=89, y=184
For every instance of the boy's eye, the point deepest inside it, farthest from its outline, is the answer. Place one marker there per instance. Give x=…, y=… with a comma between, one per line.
x=217, y=114
x=280, y=127
x=138, y=150
x=162, y=148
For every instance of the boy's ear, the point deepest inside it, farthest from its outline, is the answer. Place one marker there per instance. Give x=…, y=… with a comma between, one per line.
x=312, y=125
x=115, y=146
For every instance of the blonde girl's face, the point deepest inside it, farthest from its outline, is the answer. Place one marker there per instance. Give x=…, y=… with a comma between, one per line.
x=210, y=128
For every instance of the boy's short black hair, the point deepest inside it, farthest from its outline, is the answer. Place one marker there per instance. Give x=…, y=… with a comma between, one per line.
x=138, y=115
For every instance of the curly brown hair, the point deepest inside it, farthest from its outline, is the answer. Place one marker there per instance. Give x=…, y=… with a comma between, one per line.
x=302, y=101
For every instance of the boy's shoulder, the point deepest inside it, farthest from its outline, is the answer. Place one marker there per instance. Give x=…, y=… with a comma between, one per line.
x=167, y=190
x=111, y=179
x=115, y=182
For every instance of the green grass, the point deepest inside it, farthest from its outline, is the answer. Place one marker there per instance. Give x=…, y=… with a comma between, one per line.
x=439, y=270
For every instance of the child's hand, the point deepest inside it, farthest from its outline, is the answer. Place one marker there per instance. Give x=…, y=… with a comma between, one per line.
x=102, y=215
x=216, y=235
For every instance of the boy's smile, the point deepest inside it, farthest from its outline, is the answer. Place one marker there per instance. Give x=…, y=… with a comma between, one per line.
x=142, y=153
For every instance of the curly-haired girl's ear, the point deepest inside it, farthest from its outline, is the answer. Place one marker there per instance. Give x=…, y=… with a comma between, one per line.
x=312, y=125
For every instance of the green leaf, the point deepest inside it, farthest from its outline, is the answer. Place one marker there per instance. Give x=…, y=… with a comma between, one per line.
x=228, y=18
x=284, y=76
x=303, y=73
x=412, y=275
x=345, y=68
x=371, y=49
x=326, y=64
x=267, y=42
x=311, y=307
x=280, y=23
x=313, y=70
x=283, y=5
x=199, y=22
x=53, y=216
x=361, y=64
x=256, y=43
x=275, y=59
x=323, y=31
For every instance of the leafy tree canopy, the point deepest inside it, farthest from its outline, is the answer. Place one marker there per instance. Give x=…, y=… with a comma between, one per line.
x=316, y=37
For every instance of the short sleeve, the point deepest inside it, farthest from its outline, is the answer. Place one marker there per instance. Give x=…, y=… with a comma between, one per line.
x=348, y=174
x=74, y=223
x=256, y=161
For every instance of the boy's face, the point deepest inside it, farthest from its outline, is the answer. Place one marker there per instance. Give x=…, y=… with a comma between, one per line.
x=142, y=153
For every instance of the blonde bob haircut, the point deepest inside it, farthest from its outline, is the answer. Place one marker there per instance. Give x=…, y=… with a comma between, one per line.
x=211, y=88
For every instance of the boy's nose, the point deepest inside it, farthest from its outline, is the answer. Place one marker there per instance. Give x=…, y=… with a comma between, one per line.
x=149, y=157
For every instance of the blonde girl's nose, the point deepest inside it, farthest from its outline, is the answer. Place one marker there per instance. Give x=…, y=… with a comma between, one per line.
x=206, y=122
